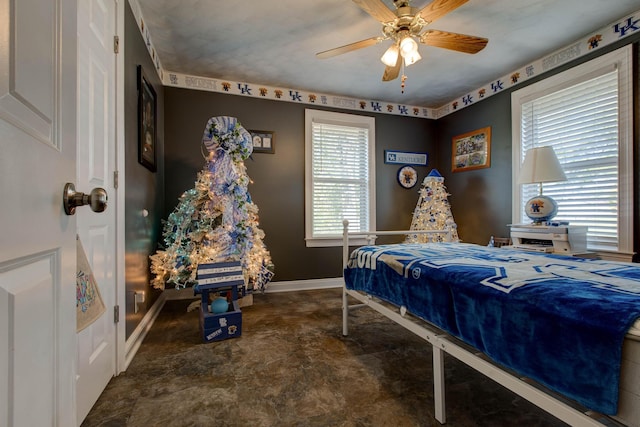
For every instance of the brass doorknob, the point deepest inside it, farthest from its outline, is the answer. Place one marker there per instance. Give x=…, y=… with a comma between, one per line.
x=97, y=199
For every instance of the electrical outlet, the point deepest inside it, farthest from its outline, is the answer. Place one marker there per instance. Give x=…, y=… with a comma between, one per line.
x=138, y=297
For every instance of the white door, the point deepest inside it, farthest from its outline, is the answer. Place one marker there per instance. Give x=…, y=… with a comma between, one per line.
x=37, y=239
x=96, y=358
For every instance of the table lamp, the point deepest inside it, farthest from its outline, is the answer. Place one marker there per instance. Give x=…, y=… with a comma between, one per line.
x=541, y=165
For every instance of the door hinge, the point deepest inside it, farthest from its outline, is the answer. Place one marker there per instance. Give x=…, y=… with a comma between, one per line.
x=116, y=314
x=115, y=179
x=116, y=44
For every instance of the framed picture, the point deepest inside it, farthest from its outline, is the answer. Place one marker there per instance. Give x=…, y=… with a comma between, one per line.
x=471, y=150
x=146, y=122
x=262, y=141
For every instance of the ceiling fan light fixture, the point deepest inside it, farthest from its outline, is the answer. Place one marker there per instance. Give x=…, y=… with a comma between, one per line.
x=408, y=47
x=412, y=59
x=390, y=57
x=404, y=29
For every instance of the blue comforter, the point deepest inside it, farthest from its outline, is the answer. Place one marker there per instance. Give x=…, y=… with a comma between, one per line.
x=557, y=319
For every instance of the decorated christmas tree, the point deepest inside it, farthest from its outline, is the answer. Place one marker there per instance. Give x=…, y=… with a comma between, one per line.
x=215, y=221
x=433, y=211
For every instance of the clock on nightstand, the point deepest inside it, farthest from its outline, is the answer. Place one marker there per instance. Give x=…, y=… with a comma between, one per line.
x=407, y=176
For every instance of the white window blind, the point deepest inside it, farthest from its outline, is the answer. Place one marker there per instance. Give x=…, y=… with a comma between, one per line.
x=339, y=175
x=581, y=124
x=585, y=114
x=340, y=178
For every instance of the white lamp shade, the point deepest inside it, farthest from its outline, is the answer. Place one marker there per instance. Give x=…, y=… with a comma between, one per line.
x=541, y=165
x=390, y=57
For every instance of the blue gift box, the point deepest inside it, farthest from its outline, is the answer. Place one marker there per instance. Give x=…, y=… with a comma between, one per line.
x=219, y=279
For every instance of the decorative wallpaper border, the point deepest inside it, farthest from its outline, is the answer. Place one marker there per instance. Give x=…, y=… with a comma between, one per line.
x=598, y=39
x=294, y=95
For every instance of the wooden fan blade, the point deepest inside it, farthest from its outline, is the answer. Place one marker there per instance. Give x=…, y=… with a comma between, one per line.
x=453, y=41
x=377, y=9
x=391, y=73
x=349, y=47
x=439, y=8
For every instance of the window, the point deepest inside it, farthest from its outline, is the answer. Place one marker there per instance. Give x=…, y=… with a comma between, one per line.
x=585, y=115
x=339, y=175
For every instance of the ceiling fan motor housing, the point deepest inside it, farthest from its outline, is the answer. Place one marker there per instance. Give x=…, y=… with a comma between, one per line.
x=408, y=23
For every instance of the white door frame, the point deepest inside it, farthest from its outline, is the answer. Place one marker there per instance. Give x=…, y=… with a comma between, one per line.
x=121, y=283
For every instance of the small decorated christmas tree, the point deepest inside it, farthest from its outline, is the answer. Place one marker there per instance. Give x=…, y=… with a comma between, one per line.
x=433, y=211
x=215, y=221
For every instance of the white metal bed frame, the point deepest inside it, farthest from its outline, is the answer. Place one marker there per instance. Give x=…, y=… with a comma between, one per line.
x=442, y=342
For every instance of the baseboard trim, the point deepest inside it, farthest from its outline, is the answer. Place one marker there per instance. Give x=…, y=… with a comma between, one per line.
x=304, y=285
x=273, y=287
x=135, y=340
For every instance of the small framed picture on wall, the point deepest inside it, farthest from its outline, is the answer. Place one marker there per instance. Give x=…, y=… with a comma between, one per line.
x=146, y=122
x=262, y=141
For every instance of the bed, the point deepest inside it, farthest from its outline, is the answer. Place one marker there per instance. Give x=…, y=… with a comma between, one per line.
x=559, y=331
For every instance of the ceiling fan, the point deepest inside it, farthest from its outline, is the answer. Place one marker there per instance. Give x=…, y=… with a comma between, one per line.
x=403, y=26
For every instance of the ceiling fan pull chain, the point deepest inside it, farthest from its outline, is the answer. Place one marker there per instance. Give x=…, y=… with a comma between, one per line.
x=404, y=77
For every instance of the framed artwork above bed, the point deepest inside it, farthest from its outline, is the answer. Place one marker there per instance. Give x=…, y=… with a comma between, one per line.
x=471, y=150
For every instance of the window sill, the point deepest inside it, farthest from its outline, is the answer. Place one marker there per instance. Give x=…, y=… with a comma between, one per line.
x=323, y=242
x=614, y=256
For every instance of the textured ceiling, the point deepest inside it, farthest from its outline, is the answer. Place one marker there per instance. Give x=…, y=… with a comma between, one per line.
x=274, y=42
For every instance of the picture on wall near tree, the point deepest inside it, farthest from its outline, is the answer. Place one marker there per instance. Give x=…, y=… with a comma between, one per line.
x=146, y=122
x=471, y=150
x=262, y=141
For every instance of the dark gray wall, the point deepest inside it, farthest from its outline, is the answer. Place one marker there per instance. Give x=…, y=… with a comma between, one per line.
x=278, y=179
x=481, y=199
x=143, y=189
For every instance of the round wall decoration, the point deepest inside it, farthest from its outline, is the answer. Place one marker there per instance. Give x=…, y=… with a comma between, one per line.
x=407, y=176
